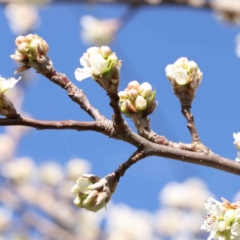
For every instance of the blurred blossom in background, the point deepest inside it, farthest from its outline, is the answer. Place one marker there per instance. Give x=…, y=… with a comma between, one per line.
x=22, y=17
x=98, y=32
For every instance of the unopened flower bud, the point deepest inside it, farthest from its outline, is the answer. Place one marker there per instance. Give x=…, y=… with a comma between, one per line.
x=29, y=37
x=185, y=77
x=23, y=48
x=122, y=95
x=35, y=43
x=105, y=51
x=102, y=65
x=130, y=106
x=124, y=109
x=19, y=40
x=140, y=103
x=133, y=84
x=192, y=66
x=132, y=94
x=93, y=193
x=145, y=90
x=139, y=99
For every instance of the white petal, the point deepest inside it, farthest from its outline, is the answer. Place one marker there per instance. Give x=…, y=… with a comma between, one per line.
x=84, y=185
x=98, y=64
x=82, y=73
x=92, y=51
x=180, y=75
x=84, y=61
x=5, y=84
x=235, y=229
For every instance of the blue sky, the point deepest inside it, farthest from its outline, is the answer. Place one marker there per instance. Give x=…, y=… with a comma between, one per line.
x=153, y=37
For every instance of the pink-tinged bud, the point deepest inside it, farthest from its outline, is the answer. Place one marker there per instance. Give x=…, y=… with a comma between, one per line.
x=23, y=48
x=105, y=51
x=132, y=94
x=133, y=85
x=19, y=40
x=130, y=106
x=145, y=89
x=30, y=37
x=124, y=109
x=140, y=103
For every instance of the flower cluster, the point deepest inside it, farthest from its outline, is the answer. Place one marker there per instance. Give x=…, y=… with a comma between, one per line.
x=102, y=65
x=137, y=98
x=222, y=220
x=30, y=48
x=93, y=193
x=185, y=77
x=98, y=32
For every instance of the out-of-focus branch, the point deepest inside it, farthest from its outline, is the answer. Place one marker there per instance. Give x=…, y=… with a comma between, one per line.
x=47, y=227
x=226, y=7
x=44, y=201
x=47, y=203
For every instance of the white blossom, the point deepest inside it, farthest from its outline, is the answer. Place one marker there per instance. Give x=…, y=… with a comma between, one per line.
x=213, y=210
x=95, y=63
x=51, y=173
x=5, y=84
x=222, y=220
x=126, y=223
x=177, y=195
x=183, y=72
x=19, y=170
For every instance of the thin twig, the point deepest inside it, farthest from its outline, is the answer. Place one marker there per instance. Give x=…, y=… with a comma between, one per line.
x=186, y=111
x=118, y=121
x=76, y=94
x=104, y=127
x=135, y=157
x=47, y=227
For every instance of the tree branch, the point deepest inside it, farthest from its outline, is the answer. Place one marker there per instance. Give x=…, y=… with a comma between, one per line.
x=135, y=157
x=204, y=159
x=105, y=127
x=149, y=148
